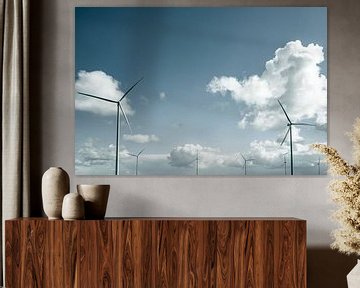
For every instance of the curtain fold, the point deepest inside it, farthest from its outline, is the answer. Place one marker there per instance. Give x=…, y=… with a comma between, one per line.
x=15, y=164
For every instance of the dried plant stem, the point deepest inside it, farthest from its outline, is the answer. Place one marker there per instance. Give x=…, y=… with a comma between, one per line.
x=345, y=192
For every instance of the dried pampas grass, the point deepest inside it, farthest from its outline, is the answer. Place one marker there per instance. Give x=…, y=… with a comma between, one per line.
x=345, y=191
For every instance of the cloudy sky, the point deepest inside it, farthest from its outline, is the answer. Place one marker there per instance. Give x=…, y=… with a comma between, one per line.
x=212, y=81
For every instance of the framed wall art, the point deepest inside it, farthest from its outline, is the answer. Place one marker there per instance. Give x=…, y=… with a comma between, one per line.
x=200, y=91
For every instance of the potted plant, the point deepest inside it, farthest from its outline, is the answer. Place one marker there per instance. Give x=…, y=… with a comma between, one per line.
x=345, y=192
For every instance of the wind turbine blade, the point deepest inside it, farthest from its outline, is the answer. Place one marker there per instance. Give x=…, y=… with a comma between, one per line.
x=127, y=120
x=243, y=156
x=287, y=132
x=132, y=87
x=97, y=97
x=303, y=124
x=285, y=112
x=131, y=154
x=141, y=152
x=191, y=161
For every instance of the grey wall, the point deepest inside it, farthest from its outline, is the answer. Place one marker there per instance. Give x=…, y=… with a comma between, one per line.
x=52, y=132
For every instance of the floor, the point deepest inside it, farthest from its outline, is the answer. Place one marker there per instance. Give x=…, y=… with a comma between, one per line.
x=328, y=268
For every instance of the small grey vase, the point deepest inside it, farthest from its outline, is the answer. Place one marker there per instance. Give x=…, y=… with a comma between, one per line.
x=73, y=207
x=55, y=185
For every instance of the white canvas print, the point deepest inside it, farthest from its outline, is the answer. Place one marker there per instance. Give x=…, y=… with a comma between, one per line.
x=200, y=91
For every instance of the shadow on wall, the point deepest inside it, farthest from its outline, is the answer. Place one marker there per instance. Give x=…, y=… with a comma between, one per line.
x=328, y=268
x=37, y=12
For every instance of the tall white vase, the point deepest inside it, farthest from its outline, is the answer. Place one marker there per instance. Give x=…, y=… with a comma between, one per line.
x=55, y=185
x=353, y=278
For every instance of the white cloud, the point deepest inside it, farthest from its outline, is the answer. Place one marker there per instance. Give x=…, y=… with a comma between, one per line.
x=303, y=150
x=185, y=156
x=295, y=135
x=243, y=90
x=95, y=157
x=209, y=157
x=235, y=161
x=95, y=152
x=100, y=84
x=162, y=95
x=269, y=153
x=141, y=138
x=293, y=76
x=243, y=123
x=265, y=119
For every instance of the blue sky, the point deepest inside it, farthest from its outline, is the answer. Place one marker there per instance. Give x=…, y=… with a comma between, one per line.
x=206, y=88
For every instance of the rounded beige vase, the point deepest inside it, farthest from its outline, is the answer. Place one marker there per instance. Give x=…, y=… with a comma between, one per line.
x=55, y=185
x=96, y=198
x=73, y=207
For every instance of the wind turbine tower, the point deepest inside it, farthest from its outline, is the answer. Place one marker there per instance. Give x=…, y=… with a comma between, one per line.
x=319, y=166
x=284, y=155
x=197, y=163
x=289, y=131
x=119, y=107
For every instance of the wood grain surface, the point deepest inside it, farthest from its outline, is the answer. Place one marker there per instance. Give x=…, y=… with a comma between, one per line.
x=161, y=252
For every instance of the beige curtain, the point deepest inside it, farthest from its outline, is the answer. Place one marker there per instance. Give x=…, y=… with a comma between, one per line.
x=14, y=27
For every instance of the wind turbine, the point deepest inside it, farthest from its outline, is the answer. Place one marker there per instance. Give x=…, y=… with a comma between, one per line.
x=290, y=124
x=137, y=159
x=197, y=162
x=119, y=107
x=284, y=155
x=245, y=162
x=319, y=166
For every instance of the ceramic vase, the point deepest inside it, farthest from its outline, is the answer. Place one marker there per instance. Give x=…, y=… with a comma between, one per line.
x=73, y=207
x=96, y=198
x=353, y=278
x=55, y=185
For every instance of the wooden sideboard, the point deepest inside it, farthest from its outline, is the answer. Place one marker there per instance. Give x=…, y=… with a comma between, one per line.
x=156, y=252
